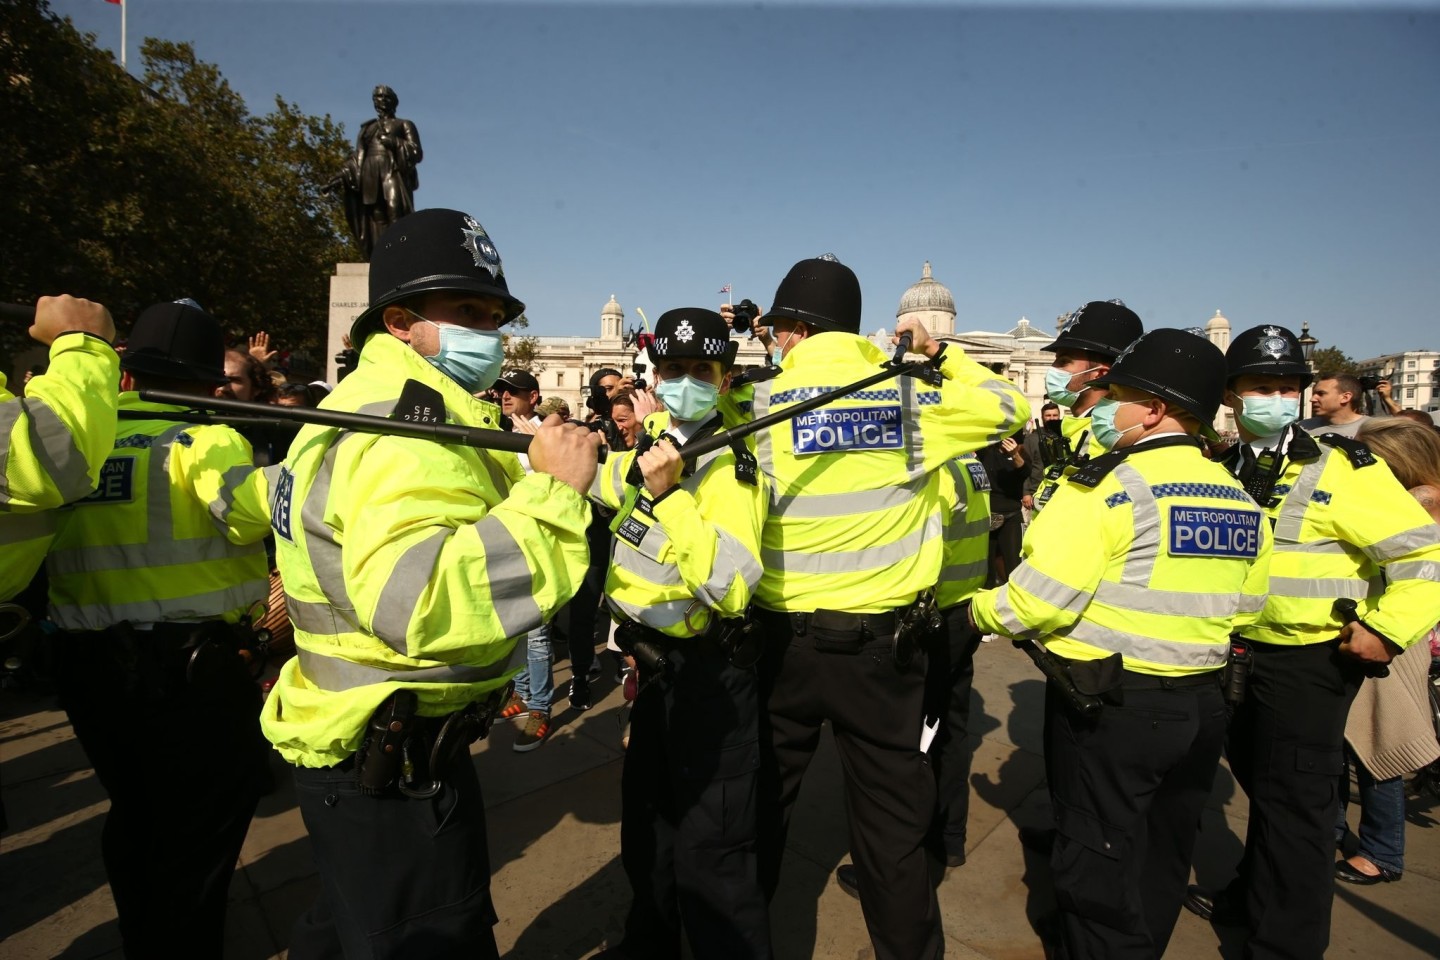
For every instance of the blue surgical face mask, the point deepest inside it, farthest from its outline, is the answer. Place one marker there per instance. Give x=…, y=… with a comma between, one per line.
x=1102, y=422
x=1057, y=385
x=687, y=398
x=777, y=352
x=472, y=358
x=1267, y=416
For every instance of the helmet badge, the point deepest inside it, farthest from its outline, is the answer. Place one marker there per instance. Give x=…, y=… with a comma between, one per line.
x=477, y=241
x=1272, y=344
x=684, y=332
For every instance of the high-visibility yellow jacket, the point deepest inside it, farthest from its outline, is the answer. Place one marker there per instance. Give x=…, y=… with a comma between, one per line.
x=52, y=442
x=408, y=563
x=1083, y=447
x=965, y=493
x=1160, y=561
x=856, y=517
x=1348, y=531
x=158, y=540
x=690, y=556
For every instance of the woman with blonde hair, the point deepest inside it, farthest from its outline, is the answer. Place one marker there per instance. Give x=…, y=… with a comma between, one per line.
x=1389, y=733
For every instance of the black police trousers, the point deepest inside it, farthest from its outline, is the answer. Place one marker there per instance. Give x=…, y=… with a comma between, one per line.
x=688, y=826
x=1286, y=749
x=948, y=684
x=399, y=877
x=875, y=709
x=1127, y=789
x=184, y=763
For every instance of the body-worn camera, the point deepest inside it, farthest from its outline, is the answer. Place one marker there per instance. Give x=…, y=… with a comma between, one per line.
x=745, y=313
x=639, y=381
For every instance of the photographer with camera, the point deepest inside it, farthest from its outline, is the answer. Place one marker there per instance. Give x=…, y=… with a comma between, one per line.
x=1335, y=405
x=685, y=566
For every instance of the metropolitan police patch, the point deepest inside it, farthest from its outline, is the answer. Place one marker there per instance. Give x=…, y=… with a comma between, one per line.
x=117, y=482
x=1214, y=532
x=830, y=430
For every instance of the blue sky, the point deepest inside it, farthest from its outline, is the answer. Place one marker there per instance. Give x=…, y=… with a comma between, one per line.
x=1277, y=162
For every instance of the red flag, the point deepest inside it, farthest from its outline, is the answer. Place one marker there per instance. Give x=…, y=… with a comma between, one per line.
x=116, y=2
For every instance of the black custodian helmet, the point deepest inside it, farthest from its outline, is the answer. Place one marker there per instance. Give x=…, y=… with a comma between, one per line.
x=178, y=341
x=431, y=250
x=1268, y=350
x=1104, y=327
x=821, y=293
x=1174, y=365
x=694, y=333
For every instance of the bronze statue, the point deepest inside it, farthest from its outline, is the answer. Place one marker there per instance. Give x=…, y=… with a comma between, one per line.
x=379, y=179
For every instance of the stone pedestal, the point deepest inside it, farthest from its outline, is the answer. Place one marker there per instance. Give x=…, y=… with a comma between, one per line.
x=349, y=296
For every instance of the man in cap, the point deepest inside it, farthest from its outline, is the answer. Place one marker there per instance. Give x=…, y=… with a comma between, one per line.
x=1345, y=529
x=411, y=568
x=153, y=579
x=1134, y=577
x=56, y=436
x=852, y=541
x=685, y=566
x=1089, y=341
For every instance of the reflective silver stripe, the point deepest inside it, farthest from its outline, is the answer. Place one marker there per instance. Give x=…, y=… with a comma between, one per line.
x=1145, y=547
x=960, y=572
x=156, y=553
x=97, y=616
x=55, y=449
x=158, y=519
x=651, y=571
x=337, y=675
x=1177, y=603
x=1005, y=611
x=1006, y=393
x=1325, y=546
x=1319, y=589
x=965, y=530
x=761, y=406
x=19, y=527
x=1252, y=604
x=317, y=618
x=512, y=592
x=398, y=598
x=731, y=557
x=321, y=547
x=662, y=616
x=1413, y=570
x=1049, y=590
x=1402, y=543
x=911, y=435
x=816, y=505
x=220, y=507
x=1291, y=518
x=1168, y=653
x=850, y=561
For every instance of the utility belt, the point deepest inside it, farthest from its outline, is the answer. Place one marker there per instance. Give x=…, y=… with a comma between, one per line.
x=409, y=753
x=910, y=628
x=1087, y=686
x=156, y=661
x=738, y=640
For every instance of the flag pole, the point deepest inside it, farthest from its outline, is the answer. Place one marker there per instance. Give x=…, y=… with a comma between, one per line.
x=124, y=8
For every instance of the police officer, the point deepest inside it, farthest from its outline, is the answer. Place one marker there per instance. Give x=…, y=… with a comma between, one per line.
x=1091, y=339
x=1133, y=578
x=852, y=540
x=410, y=569
x=965, y=493
x=1344, y=529
x=54, y=439
x=685, y=566
x=151, y=576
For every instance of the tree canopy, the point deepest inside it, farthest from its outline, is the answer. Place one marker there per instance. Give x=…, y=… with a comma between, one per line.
x=131, y=192
x=1332, y=360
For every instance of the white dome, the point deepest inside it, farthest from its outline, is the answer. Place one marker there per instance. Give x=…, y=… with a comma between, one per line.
x=928, y=294
x=1218, y=322
x=612, y=309
x=1023, y=329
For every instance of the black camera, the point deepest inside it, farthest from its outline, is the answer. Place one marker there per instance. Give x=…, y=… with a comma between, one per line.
x=1368, y=383
x=745, y=313
x=639, y=381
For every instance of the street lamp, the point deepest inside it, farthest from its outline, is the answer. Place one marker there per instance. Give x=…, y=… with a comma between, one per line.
x=1307, y=342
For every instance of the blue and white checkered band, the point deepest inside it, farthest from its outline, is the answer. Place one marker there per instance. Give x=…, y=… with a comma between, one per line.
x=477, y=241
x=684, y=332
x=714, y=347
x=709, y=346
x=1272, y=344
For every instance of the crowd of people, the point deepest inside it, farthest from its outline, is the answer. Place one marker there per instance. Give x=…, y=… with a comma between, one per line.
x=824, y=541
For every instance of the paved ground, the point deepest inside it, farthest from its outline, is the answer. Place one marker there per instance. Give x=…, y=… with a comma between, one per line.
x=554, y=831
